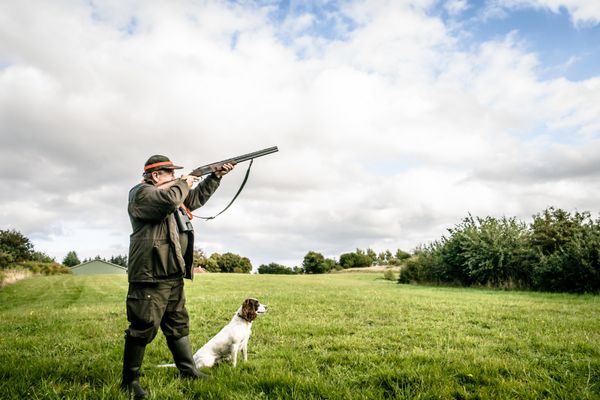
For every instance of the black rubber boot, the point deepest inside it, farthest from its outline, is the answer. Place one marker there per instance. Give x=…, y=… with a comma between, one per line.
x=182, y=354
x=132, y=362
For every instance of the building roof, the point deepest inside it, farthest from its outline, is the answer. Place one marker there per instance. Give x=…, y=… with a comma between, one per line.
x=97, y=267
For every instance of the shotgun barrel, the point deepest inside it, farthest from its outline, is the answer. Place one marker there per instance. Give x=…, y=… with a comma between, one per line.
x=212, y=167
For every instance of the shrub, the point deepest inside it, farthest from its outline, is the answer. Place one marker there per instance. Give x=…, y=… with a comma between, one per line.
x=567, y=249
x=426, y=265
x=274, y=268
x=559, y=251
x=355, y=260
x=389, y=275
x=495, y=252
x=44, y=268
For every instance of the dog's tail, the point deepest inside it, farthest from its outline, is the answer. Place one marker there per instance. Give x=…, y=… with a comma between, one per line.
x=166, y=365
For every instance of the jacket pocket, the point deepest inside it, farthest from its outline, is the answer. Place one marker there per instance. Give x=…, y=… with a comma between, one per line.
x=160, y=258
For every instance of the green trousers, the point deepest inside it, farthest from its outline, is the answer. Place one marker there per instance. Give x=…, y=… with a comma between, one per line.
x=154, y=305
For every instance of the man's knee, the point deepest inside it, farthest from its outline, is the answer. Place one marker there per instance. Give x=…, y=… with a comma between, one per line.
x=176, y=324
x=143, y=336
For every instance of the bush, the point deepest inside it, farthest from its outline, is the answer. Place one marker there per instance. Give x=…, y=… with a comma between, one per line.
x=567, y=252
x=489, y=251
x=389, y=275
x=44, y=268
x=426, y=265
x=495, y=252
x=559, y=251
x=355, y=260
x=274, y=268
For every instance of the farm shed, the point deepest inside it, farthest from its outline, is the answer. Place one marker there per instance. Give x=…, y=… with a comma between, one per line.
x=97, y=267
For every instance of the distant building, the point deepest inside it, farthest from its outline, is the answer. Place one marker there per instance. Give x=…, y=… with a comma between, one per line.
x=97, y=267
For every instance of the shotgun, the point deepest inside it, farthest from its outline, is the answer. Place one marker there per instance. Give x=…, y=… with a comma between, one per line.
x=213, y=167
x=182, y=217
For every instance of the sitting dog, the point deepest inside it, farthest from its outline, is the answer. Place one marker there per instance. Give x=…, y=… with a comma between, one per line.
x=231, y=339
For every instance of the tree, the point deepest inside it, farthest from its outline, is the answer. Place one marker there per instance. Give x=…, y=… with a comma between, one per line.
x=14, y=247
x=316, y=263
x=388, y=256
x=401, y=255
x=213, y=263
x=199, y=259
x=71, y=259
x=230, y=262
x=372, y=255
x=274, y=268
x=348, y=260
x=119, y=260
x=566, y=251
x=360, y=259
x=554, y=228
x=42, y=257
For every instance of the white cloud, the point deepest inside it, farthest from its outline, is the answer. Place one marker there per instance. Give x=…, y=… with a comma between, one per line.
x=583, y=12
x=388, y=134
x=456, y=7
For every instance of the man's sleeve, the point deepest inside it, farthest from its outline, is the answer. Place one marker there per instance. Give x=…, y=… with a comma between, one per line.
x=200, y=195
x=152, y=203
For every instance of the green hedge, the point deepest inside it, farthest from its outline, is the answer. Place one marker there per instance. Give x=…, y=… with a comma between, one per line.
x=558, y=251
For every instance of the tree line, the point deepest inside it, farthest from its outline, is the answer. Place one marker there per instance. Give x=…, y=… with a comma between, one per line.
x=316, y=263
x=226, y=262
x=71, y=259
x=558, y=251
x=17, y=251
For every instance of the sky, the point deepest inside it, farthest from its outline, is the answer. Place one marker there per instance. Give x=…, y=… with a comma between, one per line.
x=394, y=119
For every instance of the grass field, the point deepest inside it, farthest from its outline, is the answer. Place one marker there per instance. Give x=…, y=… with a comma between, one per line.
x=338, y=336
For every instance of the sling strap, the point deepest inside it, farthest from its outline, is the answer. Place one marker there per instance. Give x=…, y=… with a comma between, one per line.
x=234, y=197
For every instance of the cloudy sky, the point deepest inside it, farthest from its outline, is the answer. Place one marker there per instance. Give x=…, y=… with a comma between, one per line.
x=394, y=119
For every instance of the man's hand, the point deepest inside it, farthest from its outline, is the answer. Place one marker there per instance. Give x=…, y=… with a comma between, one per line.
x=224, y=170
x=189, y=179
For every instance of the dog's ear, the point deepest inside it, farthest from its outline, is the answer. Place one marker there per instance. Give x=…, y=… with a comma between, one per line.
x=249, y=308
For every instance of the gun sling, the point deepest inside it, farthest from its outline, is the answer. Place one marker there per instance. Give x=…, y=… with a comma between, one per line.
x=234, y=197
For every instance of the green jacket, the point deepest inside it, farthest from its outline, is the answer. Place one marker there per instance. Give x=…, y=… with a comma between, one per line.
x=155, y=252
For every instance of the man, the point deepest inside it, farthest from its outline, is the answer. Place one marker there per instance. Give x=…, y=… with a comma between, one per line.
x=160, y=256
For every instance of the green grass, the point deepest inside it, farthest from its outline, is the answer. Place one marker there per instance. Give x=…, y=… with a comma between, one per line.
x=339, y=336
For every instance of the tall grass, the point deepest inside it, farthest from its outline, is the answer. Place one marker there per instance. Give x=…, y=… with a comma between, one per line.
x=340, y=336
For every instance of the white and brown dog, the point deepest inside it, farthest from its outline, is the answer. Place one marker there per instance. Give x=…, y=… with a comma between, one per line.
x=230, y=340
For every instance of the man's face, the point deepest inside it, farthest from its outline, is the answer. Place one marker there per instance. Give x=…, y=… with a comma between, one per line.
x=164, y=175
